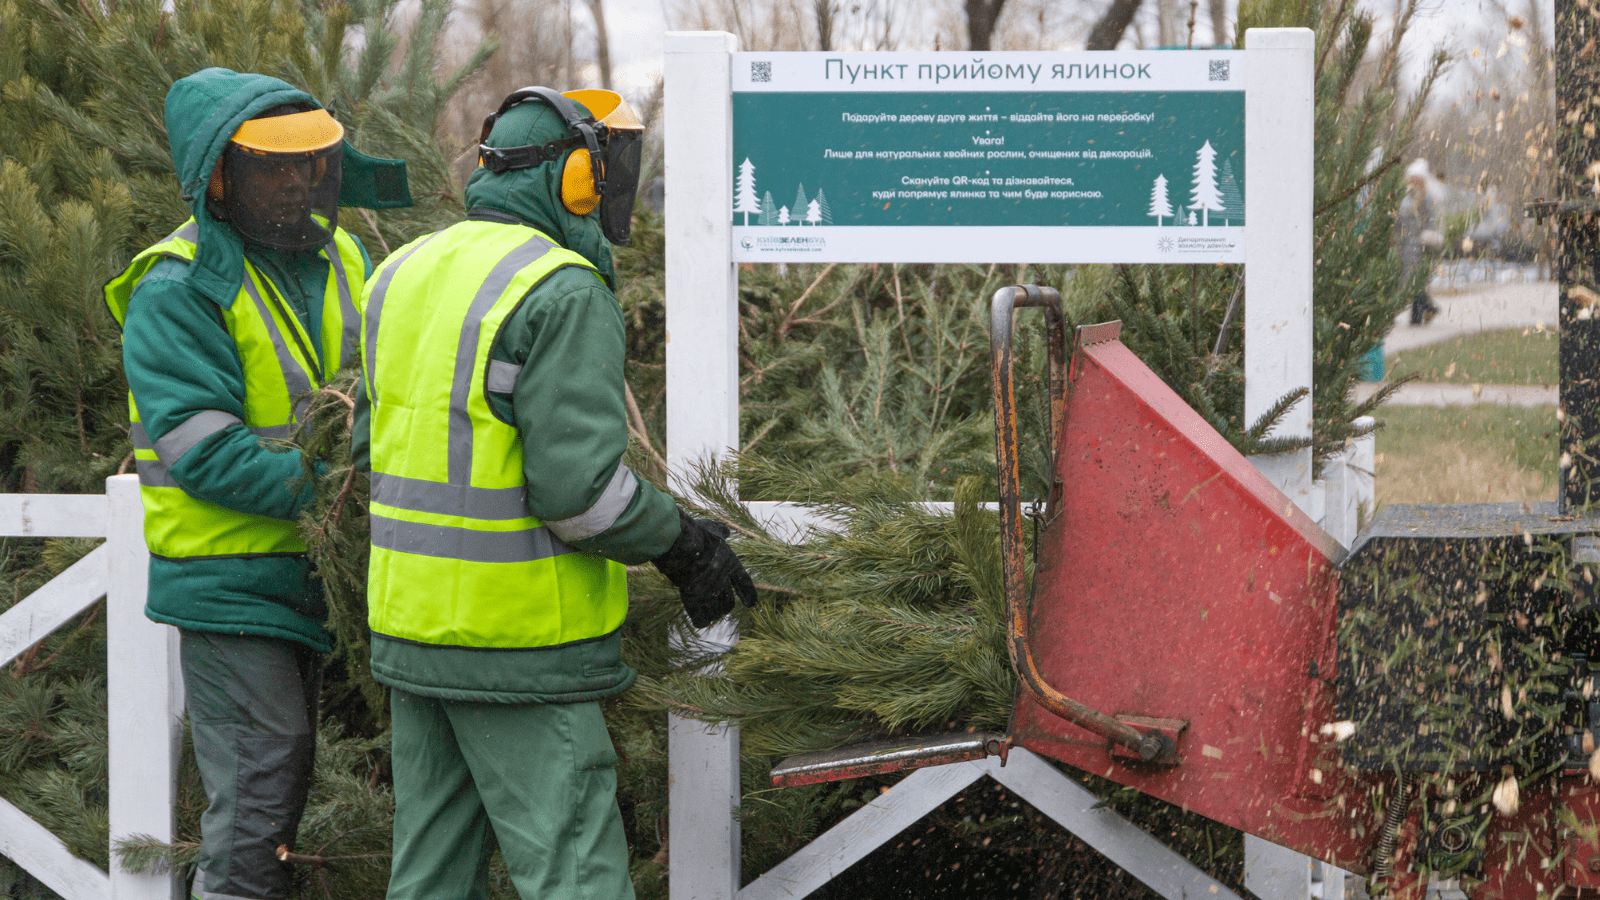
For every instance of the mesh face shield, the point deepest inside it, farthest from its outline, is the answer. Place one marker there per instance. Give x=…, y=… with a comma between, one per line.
x=280, y=180
x=603, y=171
x=622, y=184
x=624, y=140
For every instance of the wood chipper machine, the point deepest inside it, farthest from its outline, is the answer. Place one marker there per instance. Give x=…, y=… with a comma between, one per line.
x=1419, y=703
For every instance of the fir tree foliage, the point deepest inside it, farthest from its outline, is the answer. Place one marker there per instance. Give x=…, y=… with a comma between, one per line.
x=85, y=182
x=1186, y=321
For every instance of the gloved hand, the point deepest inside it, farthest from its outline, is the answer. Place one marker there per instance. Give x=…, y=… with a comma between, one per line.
x=704, y=569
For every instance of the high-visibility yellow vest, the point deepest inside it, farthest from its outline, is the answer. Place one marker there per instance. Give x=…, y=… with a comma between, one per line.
x=457, y=559
x=282, y=363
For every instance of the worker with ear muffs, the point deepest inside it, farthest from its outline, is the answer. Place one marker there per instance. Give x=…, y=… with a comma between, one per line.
x=227, y=324
x=494, y=421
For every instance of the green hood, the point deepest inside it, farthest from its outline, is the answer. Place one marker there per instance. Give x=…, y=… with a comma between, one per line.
x=203, y=111
x=534, y=195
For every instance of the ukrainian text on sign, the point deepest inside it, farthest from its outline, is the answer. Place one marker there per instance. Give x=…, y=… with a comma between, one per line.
x=1024, y=157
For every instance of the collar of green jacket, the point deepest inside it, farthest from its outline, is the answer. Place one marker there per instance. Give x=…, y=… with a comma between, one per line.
x=203, y=111
x=534, y=195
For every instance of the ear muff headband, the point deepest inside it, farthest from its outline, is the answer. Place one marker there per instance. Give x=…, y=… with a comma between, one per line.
x=582, y=181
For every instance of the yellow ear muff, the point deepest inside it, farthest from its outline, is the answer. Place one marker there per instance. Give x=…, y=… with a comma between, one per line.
x=577, y=184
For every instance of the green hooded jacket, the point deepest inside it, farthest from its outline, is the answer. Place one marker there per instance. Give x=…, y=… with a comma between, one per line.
x=568, y=404
x=180, y=360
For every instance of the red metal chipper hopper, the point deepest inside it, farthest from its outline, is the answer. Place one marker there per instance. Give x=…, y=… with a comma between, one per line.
x=1180, y=636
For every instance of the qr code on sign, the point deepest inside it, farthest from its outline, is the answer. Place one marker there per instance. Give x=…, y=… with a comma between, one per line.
x=761, y=71
x=1219, y=69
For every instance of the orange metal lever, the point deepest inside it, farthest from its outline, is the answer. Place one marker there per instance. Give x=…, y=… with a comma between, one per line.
x=1150, y=745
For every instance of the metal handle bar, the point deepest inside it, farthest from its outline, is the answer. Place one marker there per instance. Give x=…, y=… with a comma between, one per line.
x=1151, y=746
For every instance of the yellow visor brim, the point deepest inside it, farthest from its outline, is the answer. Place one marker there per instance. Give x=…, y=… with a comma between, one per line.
x=306, y=132
x=607, y=107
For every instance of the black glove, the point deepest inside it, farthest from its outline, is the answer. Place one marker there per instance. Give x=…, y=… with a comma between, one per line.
x=704, y=569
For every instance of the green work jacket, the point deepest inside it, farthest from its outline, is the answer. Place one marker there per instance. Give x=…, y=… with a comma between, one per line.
x=281, y=361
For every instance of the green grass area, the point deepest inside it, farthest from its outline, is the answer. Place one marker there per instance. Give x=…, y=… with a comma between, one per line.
x=1466, y=454
x=1515, y=356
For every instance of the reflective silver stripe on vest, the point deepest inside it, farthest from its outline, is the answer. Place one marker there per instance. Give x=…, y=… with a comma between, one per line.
x=502, y=378
x=279, y=432
x=189, y=232
x=415, y=494
x=527, y=545
x=375, y=308
x=203, y=424
x=294, y=376
x=460, y=428
x=351, y=332
x=603, y=514
x=153, y=473
x=141, y=438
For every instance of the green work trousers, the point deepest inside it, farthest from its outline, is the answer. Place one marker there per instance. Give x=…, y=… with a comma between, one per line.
x=543, y=776
x=253, y=713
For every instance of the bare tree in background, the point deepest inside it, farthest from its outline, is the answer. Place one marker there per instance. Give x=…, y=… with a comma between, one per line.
x=795, y=24
x=1495, y=143
x=825, y=10
x=537, y=42
x=982, y=16
x=1169, y=25
x=1219, y=23
x=1107, y=33
x=602, y=42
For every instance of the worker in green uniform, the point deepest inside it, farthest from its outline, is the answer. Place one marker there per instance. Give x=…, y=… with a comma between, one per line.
x=503, y=517
x=227, y=323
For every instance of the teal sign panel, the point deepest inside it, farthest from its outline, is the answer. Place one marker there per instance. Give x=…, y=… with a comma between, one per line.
x=1125, y=159
x=1021, y=171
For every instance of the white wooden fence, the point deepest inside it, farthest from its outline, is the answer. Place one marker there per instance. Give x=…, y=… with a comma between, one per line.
x=145, y=705
x=144, y=687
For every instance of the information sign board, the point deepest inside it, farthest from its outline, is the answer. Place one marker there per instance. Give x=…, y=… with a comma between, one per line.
x=1134, y=157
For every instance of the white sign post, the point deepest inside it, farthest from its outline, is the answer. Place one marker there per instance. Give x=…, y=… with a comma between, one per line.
x=1280, y=118
x=702, y=419
x=702, y=331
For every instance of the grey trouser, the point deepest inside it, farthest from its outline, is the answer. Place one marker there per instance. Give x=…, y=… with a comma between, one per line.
x=253, y=714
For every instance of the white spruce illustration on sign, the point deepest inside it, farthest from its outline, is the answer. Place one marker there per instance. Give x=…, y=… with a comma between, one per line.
x=817, y=212
x=744, y=191
x=814, y=211
x=1232, y=196
x=1205, y=197
x=1160, y=205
